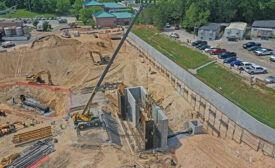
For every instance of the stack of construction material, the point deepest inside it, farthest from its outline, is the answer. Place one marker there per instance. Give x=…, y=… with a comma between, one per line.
x=33, y=154
x=32, y=136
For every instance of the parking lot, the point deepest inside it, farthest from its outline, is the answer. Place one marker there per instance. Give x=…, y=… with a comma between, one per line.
x=242, y=54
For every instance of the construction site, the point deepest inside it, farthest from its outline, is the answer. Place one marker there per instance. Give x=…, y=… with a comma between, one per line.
x=134, y=118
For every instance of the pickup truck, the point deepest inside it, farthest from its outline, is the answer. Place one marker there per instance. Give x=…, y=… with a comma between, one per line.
x=264, y=51
x=243, y=65
x=255, y=69
x=8, y=44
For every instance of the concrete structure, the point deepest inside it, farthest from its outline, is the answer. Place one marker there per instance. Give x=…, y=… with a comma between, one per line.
x=135, y=99
x=195, y=125
x=235, y=29
x=219, y=116
x=106, y=19
x=263, y=28
x=210, y=31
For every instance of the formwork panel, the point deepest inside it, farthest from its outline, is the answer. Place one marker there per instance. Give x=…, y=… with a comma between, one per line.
x=268, y=148
x=223, y=131
x=230, y=131
x=218, y=120
x=250, y=140
x=238, y=134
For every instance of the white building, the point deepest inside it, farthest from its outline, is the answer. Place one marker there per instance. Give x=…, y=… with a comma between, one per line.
x=235, y=29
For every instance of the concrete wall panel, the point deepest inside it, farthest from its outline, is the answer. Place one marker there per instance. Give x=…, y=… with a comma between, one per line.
x=250, y=140
x=268, y=148
x=238, y=134
x=231, y=129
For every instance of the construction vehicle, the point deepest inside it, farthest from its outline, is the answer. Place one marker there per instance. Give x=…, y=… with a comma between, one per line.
x=10, y=128
x=66, y=34
x=31, y=78
x=86, y=118
x=103, y=59
x=6, y=161
x=101, y=44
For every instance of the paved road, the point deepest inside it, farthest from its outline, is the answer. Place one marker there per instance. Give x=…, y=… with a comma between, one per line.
x=242, y=54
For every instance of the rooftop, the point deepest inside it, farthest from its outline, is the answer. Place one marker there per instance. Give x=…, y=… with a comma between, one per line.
x=92, y=3
x=264, y=23
x=103, y=14
x=123, y=15
x=237, y=25
x=119, y=15
x=112, y=5
x=211, y=26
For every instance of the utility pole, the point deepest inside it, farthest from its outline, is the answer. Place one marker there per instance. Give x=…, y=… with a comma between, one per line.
x=30, y=9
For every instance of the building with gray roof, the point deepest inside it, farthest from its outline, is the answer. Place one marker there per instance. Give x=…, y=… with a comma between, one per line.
x=210, y=31
x=264, y=28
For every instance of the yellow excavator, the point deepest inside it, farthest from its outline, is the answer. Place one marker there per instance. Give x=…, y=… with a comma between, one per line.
x=31, y=78
x=86, y=118
x=8, y=128
x=103, y=59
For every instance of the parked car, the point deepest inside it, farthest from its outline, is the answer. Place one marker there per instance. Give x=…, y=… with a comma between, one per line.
x=198, y=42
x=243, y=65
x=217, y=51
x=174, y=35
x=250, y=44
x=224, y=55
x=264, y=51
x=177, y=27
x=270, y=79
x=229, y=60
x=60, y=20
x=199, y=45
x=8, y=44
x=253, y=48
x=207, y=50
x=272, y=58
x=255, y=69
x=237, y=62
x=232, y=38
x=167, y=25
x=204, y=47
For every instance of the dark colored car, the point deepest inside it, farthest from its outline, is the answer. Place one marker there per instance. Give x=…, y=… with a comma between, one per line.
x=237, y=62
x=226, y=55
x=250, y=44
x=177, y=27
x=253, y=48
x=232, y=38
x=229, y=60
x=201, y=44
x=204, y=47
x=198, y=42
x=217, y=51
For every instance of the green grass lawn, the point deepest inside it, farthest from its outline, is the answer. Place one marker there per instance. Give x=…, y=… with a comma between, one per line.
x=24, y=13
x=180, y=54
x=259, y=103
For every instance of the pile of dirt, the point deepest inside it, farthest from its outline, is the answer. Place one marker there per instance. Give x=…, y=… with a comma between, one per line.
x=208, y=151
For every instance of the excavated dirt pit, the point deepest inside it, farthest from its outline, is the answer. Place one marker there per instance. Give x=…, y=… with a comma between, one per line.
x=71, y=66
x=56, y=101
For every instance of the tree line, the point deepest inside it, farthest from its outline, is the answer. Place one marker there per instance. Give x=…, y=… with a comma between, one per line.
x=195, y=13
x=53, y=6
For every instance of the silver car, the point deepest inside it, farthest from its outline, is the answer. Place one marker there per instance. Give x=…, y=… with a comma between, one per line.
x=255, y=69
x=270, y=79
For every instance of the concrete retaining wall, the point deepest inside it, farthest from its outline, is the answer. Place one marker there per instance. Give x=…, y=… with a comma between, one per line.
x=219, y=116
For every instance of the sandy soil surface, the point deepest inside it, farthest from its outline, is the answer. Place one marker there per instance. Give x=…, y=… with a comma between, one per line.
x=203, y=151
x=70, y=64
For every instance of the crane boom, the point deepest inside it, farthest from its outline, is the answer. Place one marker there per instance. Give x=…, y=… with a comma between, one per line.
x=111, y=61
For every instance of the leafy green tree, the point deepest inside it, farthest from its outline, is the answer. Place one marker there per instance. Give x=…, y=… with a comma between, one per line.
x=35, y=22
x=3, y=6
x=77, y=7
x=63, y=6
x=46, y=26
x=86, y=13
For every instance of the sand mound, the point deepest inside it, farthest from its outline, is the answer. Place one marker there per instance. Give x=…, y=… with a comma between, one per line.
x=203, y=151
